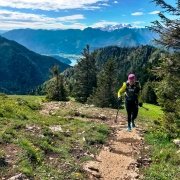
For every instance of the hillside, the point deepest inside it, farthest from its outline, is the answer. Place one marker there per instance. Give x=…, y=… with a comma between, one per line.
x=55, y=138
x=140, y=59
x=69, y=140
x=21, y=70
x=62, y=59
x=73, y=41
x=41, y=145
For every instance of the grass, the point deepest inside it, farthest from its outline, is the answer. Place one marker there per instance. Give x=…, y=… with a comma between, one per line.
x=163, y=152
x=165, y=159
x=39, y=152
x=153, y=113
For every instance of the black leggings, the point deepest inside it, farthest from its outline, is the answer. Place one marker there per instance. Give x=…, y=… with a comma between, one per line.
x=132, y=111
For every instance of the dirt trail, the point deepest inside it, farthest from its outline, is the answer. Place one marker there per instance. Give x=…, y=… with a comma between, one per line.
x=118, y=158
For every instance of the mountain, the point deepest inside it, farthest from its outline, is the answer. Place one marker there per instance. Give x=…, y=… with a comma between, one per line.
x=62, y=59
x=72, y=41
x=2, y=31
x=110, y=28
x=21, y=70
x=140, y=60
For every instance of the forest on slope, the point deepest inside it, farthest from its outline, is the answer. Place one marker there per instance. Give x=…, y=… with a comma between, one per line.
x=22, y=70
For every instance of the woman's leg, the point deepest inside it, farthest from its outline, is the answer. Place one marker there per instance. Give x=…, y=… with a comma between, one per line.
x=134, y=113
x=129, y=113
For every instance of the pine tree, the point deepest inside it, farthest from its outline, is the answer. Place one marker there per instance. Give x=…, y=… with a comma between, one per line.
x=168, y=29
x=148, y=94
x=169, y=89
x=55, y=88
x=104, y=95
x=85, y=76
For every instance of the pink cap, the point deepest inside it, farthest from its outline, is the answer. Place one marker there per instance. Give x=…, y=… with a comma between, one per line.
x=131, y=77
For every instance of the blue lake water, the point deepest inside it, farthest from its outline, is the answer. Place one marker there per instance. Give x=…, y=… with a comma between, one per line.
x=72, y=57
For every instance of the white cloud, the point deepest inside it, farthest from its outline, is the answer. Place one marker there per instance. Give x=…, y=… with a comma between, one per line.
x=71, y=18
x=104, y=4
x=115, y=2
x=53, y=4
x=137, y=14
x=14, y=19
x=21, y=25
x=103, y=23
x=154, y=12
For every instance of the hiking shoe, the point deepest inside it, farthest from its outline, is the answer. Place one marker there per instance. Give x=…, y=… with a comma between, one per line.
x=129, y=129
x=133, y=125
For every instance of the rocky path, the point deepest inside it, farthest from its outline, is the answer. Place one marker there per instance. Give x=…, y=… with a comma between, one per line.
x=119, y=159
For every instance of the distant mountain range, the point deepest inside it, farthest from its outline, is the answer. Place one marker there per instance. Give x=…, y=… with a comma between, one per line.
x=61, y=59
x=2, y=31
x=22, y=70
x=72, y=41
x=110, y=28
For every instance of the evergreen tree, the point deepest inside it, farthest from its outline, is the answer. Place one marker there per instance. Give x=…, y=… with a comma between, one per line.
x=85, y=76
x=168, y=29
x=169, y=89
x=139, y=59
x=55, y=88
x=104, y=95
x=169, y=93
x=148, y=94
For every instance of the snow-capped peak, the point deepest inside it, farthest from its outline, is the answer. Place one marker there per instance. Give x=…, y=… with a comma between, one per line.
x=110, y=28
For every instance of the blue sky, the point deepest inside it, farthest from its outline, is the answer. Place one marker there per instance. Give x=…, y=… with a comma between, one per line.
x=76, y=14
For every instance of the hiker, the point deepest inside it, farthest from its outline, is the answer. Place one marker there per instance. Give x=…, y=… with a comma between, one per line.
x=132, y=89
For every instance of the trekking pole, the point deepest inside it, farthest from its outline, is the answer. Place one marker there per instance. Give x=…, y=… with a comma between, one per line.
x=117, y=112
x=145, y=108
x=116, y=115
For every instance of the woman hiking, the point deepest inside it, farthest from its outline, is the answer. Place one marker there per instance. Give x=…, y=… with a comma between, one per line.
x=132, y=90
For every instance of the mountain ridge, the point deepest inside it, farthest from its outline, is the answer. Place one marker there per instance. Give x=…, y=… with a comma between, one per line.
x=110, y=28
x=72, y=41
x=22, y=70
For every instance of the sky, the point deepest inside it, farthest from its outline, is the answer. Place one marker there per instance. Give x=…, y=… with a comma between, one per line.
x=76, y=14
